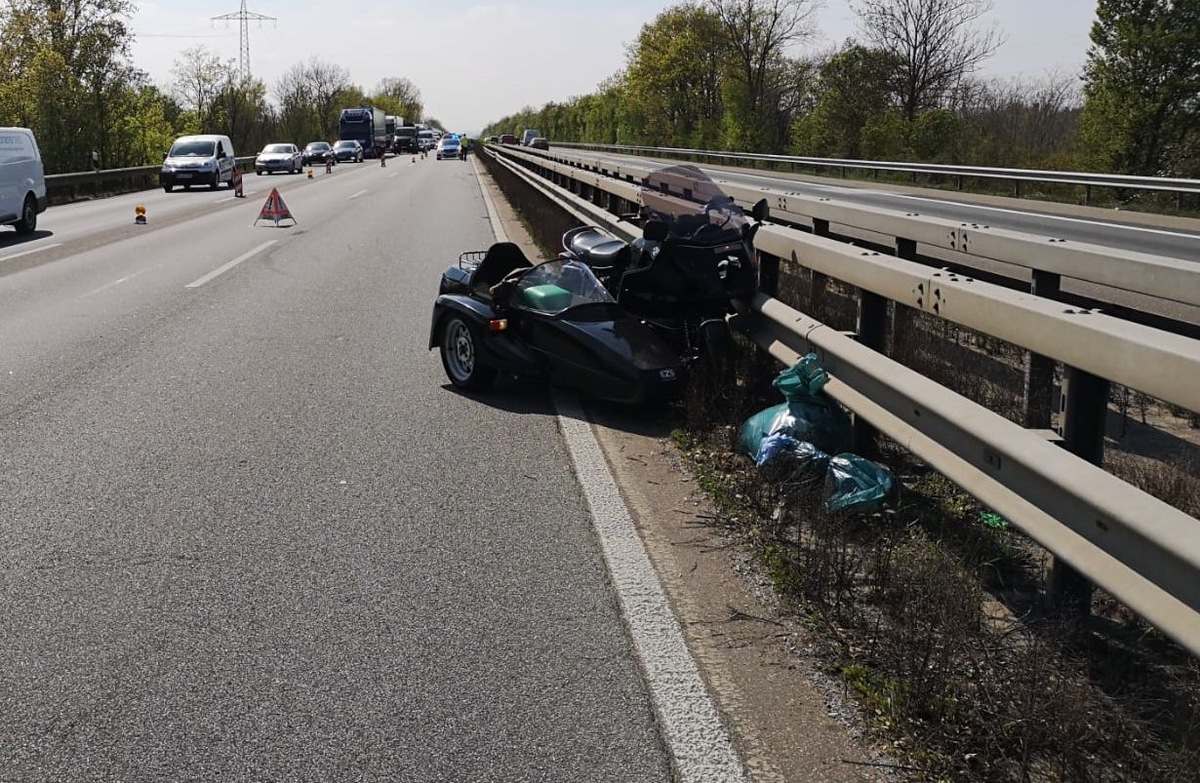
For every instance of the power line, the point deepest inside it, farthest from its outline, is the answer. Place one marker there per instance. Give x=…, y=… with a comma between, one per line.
x=244, y=17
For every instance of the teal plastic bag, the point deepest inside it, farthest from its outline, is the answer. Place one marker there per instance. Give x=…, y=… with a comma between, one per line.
x=856, y=485
x=808, y=415
x=820, y=421
x=803, y=380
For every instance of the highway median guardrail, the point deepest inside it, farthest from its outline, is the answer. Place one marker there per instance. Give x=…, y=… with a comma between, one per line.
x=1141, y=550
x=1088, y=181
x=66, y=188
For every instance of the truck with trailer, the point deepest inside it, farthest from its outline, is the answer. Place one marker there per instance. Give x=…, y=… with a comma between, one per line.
x=368, y=126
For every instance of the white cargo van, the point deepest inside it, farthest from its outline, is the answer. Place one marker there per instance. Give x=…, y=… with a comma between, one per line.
x=22, y=181
x=206, y=159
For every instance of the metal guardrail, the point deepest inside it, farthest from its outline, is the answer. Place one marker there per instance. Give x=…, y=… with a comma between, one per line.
x=63, y=187
x=1141, y=550
x=1087, y=180
x=1173, y=279
x=1100, y=344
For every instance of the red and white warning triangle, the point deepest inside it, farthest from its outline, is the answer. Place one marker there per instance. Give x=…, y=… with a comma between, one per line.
x=275, y=209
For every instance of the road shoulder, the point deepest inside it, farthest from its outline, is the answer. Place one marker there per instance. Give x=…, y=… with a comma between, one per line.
x=789, y=720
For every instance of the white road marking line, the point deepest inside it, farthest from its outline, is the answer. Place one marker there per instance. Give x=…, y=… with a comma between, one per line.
x=691, y=724
x=1003, y=210
x=107, y=286
x=30, y=251
x=223, y=200
x=356, y=195
x=226, y=267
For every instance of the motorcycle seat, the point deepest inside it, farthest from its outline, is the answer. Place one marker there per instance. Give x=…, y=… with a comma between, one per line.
x=599, y=248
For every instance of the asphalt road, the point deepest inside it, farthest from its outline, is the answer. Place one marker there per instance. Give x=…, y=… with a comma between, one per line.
x=1031, y=218
x=249, y=534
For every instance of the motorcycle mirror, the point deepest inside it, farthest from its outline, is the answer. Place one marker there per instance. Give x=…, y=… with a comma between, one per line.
x=761, y=210
x=655, y=230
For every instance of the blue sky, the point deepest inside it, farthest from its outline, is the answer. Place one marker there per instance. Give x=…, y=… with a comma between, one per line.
x=476, y=62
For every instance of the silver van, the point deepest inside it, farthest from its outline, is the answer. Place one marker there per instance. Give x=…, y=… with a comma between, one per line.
x=206, y=159
x=22, y=180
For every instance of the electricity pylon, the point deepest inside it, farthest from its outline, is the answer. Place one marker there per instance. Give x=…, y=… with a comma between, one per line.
x=244, y=17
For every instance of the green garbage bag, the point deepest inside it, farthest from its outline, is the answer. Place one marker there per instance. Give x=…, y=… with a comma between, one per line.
x=808, y=415
x=820, y=421
x=803, y=380
x=856, y=485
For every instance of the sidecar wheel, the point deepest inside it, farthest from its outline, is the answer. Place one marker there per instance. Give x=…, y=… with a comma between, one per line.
x=460, y=356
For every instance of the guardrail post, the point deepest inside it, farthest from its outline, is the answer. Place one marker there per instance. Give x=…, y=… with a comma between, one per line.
x=768, y=274
x=1084, y=411
x=871, y=330
x=1016, y=188
x=1039, y=370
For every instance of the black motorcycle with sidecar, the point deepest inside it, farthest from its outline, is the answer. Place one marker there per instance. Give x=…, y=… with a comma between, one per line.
x=496, y=312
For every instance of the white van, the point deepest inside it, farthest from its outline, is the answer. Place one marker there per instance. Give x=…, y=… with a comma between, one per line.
x=22, y=181
x=206, y=159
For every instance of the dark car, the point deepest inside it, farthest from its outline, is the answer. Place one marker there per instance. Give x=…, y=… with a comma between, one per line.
x=508, y=138
x=279, y=157
x=497, y=312
x=348, y=149
x=538, y=143
x=315, y=152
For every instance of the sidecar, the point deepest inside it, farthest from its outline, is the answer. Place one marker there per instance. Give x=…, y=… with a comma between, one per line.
x=498, y=312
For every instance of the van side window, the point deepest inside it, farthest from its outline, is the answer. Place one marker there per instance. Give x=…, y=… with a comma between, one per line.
x=220, y=150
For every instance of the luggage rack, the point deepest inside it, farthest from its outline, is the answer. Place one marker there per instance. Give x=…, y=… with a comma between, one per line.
x=471, y=259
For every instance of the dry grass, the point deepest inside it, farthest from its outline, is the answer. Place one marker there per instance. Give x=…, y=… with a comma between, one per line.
x=935, y=622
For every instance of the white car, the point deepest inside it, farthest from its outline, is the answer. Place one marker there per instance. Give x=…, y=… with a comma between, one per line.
x=22, y=180
x=206, y=159
x=279, y=157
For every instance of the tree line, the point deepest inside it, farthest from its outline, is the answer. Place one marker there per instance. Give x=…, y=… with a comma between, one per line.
x=725, y=74
x=66, y=73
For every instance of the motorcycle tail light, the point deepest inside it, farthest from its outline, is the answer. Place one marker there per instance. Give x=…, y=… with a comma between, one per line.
x=497, y=324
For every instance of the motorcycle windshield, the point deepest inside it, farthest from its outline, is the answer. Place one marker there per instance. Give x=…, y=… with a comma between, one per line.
x=692, y=204
x=560, y=284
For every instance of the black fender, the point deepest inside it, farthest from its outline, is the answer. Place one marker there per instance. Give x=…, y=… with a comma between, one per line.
x=496, y=349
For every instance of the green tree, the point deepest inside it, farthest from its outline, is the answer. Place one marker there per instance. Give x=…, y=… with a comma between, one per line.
x=758, y=32
x=66, y=66
x=853, y=85
x=674, y=74
x=399, y=96
x=199, y=76
x=1141, y=86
